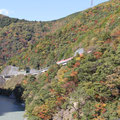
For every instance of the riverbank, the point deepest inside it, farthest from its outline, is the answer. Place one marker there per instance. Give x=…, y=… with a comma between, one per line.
x=12, y=103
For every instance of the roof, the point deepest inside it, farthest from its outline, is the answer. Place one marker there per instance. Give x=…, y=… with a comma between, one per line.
x=63, y=61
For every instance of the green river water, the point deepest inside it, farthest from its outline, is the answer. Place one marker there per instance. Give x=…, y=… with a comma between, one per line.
x=10, y=109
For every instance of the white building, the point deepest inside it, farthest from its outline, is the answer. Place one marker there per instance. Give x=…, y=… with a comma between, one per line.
x=79, y=51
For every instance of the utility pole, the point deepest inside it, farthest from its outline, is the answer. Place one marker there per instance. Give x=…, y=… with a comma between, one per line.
x=91, y=2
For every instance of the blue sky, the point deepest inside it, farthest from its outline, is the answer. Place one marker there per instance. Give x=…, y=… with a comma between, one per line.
x=43, y=10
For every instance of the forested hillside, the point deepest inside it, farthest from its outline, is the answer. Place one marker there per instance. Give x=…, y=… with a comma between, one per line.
x=87, y=29
x=17, y=35
x=5, y=21
x=88, y=87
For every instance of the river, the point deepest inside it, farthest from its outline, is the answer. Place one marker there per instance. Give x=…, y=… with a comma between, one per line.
x=10, y=109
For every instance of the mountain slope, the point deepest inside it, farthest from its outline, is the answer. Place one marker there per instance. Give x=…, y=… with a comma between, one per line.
x=5, y=21
x=87, y=29
x=16, y=35
x=88, y=87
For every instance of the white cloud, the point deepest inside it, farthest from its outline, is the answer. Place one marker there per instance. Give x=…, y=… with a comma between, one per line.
x=4, y=11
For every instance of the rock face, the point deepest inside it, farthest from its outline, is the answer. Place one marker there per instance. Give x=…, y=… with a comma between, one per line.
x=64, y=114
x=68, y=113
x=10, y=70
x=2, y=82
